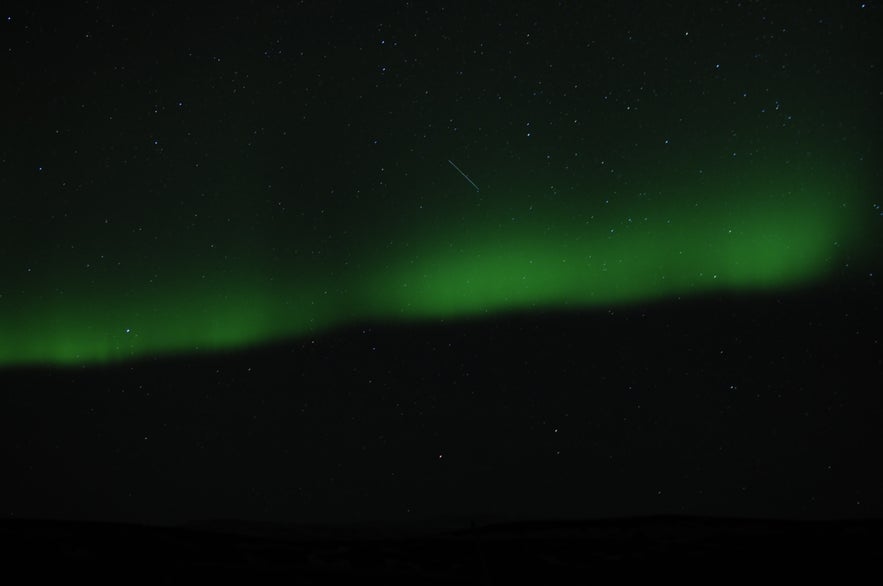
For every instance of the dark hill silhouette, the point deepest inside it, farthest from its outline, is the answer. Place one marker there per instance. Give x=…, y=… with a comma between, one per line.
x=486, y=554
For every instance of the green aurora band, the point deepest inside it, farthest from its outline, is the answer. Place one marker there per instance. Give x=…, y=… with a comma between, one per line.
x=554, y=255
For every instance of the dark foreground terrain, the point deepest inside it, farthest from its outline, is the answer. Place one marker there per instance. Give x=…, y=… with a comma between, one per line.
x=490, y=554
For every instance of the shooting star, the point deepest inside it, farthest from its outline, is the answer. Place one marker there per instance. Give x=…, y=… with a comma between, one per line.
x=465, y=176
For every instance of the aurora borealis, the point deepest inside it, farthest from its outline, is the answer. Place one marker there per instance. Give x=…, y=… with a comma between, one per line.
x=553, y=255
x=219, y=198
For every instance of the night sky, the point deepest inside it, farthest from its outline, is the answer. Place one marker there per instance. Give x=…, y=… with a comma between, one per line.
x=334, y=261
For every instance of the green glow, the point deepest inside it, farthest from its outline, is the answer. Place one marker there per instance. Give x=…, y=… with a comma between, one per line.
x=549, y=254
x=616, y=257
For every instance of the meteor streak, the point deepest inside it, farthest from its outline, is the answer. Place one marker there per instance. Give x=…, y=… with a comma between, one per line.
x=464, y=175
